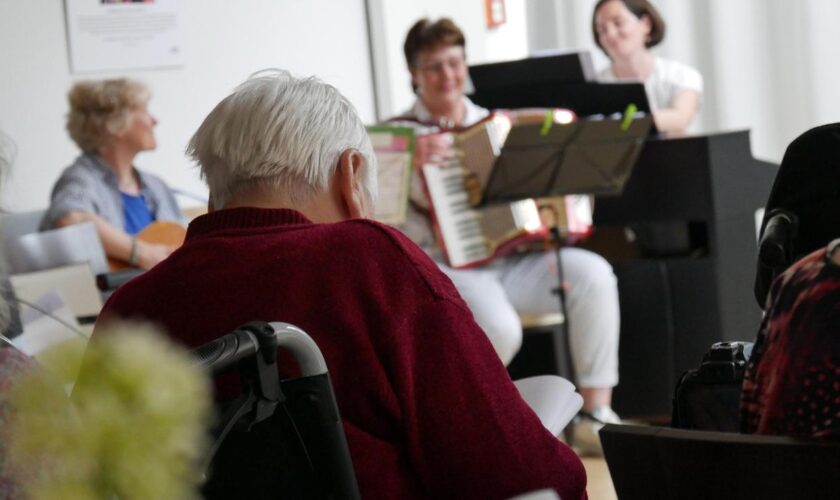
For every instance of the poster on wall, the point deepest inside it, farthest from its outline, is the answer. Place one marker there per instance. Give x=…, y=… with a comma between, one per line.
x=114, y=35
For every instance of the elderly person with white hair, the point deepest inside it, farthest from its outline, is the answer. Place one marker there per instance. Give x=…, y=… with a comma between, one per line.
x=110, y=122
x=428, y=409
x=12, y=361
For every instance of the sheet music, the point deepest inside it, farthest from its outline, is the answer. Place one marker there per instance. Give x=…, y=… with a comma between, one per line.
x=478, y=147
x=76, y=283
x=552, y=398
x=580, y=208
x=74, y=244
x=41, y=331
x=393, y=147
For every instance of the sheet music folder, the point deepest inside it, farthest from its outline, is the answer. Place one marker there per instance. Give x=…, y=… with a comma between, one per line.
x=583, y=157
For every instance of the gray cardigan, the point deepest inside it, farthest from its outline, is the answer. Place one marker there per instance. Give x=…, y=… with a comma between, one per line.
x=89, y=185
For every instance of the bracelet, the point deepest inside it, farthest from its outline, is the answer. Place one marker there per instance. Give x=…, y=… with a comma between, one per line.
x=132, y=260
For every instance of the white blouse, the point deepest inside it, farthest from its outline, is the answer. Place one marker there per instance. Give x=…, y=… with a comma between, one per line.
x=665, y=81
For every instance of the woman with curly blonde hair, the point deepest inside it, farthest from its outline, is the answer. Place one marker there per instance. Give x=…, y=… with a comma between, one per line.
x=110, y=122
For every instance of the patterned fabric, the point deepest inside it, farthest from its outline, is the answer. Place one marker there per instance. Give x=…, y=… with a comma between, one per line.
x=12, y=362
x=808, y=187
x=792, y=382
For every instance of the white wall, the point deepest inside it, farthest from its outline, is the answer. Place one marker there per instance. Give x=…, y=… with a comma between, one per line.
x=391, y=20
x=224, y=41
x=769, y=65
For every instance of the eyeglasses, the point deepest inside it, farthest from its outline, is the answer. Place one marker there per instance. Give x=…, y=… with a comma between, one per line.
x=454, y=64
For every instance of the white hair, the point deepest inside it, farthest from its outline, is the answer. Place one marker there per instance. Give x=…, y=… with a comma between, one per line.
x=280, y=131
x=7, y=154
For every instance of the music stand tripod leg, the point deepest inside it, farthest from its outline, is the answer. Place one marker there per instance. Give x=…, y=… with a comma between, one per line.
x=560, y=291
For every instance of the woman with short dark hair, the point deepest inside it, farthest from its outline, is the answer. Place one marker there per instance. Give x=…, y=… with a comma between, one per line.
x=500, y=291
x=626, y=30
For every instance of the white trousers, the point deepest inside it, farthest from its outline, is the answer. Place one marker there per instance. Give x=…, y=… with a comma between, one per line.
x=522, y=283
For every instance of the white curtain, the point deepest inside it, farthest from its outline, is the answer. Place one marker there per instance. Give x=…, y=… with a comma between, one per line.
x=771, y=66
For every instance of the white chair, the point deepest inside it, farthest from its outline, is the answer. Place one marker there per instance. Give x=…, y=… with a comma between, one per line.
x=15, y=224
x=74, y=244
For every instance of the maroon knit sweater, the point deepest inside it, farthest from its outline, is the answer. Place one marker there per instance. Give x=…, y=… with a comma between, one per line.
x=428, y=409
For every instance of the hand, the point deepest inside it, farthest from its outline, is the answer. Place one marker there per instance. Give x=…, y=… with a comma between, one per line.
x=150, y=254
x=434, y=148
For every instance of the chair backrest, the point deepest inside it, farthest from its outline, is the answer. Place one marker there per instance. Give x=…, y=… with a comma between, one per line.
x=15, y=224
x=659, y=463
x=74, y=244
x=807, y=192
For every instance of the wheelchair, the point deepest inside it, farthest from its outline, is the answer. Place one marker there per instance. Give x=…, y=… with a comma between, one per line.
x=285, y=437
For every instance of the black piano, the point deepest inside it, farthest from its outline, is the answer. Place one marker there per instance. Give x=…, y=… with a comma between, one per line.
x=686, y=282
x=691, y=202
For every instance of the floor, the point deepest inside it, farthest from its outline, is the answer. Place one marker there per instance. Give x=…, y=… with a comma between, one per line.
x=599, y=485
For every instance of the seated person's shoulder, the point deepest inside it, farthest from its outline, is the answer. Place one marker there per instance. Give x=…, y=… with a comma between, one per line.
x=75, y=190
x=809, y=268
x=78, y=173
x=381, y=245
x=682, y=75
x=812, y=280
x=379, y=240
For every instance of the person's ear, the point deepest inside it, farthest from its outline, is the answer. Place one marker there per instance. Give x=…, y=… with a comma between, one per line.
x=351, y=184
x=114, y=135
x=415, y=82
x=648, y=25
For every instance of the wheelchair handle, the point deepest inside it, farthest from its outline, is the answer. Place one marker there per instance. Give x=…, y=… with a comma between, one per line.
x=228, y=350
x=302, y=347
x=225, y=351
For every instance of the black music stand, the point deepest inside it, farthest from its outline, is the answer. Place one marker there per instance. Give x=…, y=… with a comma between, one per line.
x=568, y=67
x=583, y=157
x=561, y=81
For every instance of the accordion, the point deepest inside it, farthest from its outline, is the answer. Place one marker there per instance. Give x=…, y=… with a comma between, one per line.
x=470, y=235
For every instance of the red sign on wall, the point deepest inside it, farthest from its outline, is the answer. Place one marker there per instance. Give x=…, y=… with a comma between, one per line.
x=494, y=12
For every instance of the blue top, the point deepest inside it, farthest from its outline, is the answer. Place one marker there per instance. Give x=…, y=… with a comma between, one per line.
x=136, y=213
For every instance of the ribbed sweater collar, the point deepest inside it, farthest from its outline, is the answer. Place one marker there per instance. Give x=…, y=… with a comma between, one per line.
x=244, y=218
